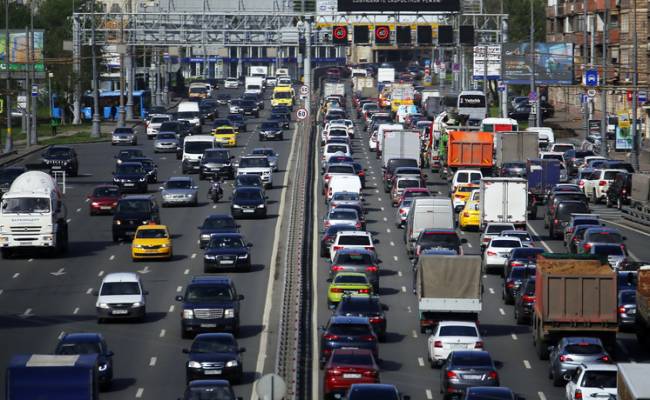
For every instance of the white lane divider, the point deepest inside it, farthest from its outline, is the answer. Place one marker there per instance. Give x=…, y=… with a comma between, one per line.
x=513, y=336
x=186, y=272
x=171, y=308
x=491, y=290
x=193, y=255
x=387, y=230
x=162, y=333
x=89, y=291
x=68, y=220
x=152, y=362
x=469, y=245
x=76, y=310
x=111, y=258
x=179, y=289
x=16, y=275
x=1, y=291
x=414, y=334
x=501, y=311
x=403, y=289
x=101, y=273
x=78, y=209
x=408, y=308
x=27, y=313
x=399, y=273
x=527, y=364
x=382, y=208
x=30, y=260
x=138, y=394
x=395, y=258
x=546, y=246
x=429, y=394
x=421, y=361
x=385, y=219
x=61, y=334
x=541, y=395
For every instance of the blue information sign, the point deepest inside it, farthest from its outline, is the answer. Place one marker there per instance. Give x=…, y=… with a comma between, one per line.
x=591, y=77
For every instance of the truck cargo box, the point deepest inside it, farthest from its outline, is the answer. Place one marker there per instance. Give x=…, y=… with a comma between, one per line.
x=470, y=149
x=542, y=175
x=640, y=188
x=514, y=146
x=503, y=200
x=447, y=283
x=632, y=381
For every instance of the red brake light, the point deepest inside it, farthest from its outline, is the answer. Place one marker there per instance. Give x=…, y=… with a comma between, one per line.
x=337, y=268
x=334, y=371
x=528, y=299
x=491, y=253
x=510, y=284
x=336, y=290
x=516, y=264
x=605, y=359
x=327, y=177
x=368, y=338
x=564, y=358
x=602, y=183
x=358, y=225
x=375, y=320
x=578, y=394
x=466, y=214
x=329, y=336
x=451, y=375
x=478, y=345
x=493, y=375
x=586, y=246
x=437, y=344
x=336, y=248
x=371, y=372
x=372, y=268
x=621, y=310
x=363, y=291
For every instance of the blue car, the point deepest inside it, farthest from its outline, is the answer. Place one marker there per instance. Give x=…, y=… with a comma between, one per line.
x=343, y=332
x=89, y=343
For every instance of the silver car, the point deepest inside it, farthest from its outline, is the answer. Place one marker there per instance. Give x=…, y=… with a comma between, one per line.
x=403, y=211
x=124, y=136
x=269, y=153
x=165, y=142
x=346, y=199
x=179, y=190
x=571, y=352
x=342, y=216
x=615, y=253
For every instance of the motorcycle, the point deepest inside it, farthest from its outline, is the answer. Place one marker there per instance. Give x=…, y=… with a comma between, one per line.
x=215, y=193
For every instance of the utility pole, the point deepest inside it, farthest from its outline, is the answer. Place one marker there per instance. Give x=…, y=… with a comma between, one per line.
x=603, y=94
x=95, y=131
x=9, y=141
x=485, y=72
x=122, y=49
x=307, y=64
x=635, y=81
x=534, y=104
x=28, y=92
x=76, y=69
x=504, y=40
x=32, y=59
x=129, y=68
x=584, y=63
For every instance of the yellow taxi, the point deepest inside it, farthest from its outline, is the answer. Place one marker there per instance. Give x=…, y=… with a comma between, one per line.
x=347, y=283
x=470, y=216
x=282, y=96
x=226, y=135
x=461, y=195
x=151, y=241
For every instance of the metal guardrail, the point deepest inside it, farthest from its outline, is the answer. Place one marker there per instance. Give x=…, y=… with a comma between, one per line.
x=639, y=215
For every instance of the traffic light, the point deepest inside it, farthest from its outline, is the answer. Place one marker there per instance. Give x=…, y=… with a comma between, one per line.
x=361, y=34
x=425, y=34
x=403, y=34
x=382, y=34
x=445, y=34
x=466, y=35
x=340, y=35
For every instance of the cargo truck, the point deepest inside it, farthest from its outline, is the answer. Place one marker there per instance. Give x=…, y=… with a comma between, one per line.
x=514, y=146
x=639, y=209
x=33, y=215
x=254, y=84
x=575, y=295
x=333, y=89
x=542, y=175
x=52, y=377
x=363, y=82
x=401, y=94
x=447, y=288
x=386, y=75
x=643, y=305
x=503, y=200
x=466, y=149
x=400, y=144
x=632, y=381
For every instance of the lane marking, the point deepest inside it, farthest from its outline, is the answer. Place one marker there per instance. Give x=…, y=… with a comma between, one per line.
x=78, y=209
x=421, y=361
x=61, y=335
x=178, y=289
x=171, y=308
x=76, y=310
x=541, y=395
x=89, y=291
x=27, y=313
x=382, y=208
x=100, y=273
x=399, y=273
x=1, y=291
x=162, y=333
x=626, y=227
x=152, y=362
x=68, y=220
x=429, y=394
x=30, y=260
x=387, y=230
x=385, y=219
x=469, y=245
x=403, y=289
x=186, y=272
x=138, y=394
x=193, y=255
x=513, y=336
x=414, y=334
x=408, y=308
x=491, y=290
x=378, y=198
x=16, y=275
x=112, y=257
x=214, y=206
x=395, y=258
x=527, y=364
x=501, y=311
x=546, y=246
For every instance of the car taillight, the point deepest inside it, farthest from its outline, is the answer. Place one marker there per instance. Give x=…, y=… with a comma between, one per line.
x=555, y=221
x=327, y=177
x=510, y=285
x=451, y=375
x=370, y=373
x=490, y=253
x=623, y=191
x=602, y=183
x=402, y=211
x=458, y=196
x=337, y=248
x=326, y=224
x=581, y=183
x=358, y=225
x=621, y=310
x=437, y=344
x=362, y=173
x=478, y=345
x=363, y=291
x=492, y=375
x=564, y=358
x=605, y=359
x=586, y=247
x=486, y=239
x=330, y=336
x=337, y=268
x=372, y=268
x=516, y=264
x=368, y=338
x=335, y=372
x=376, y=320
x=578, y=394
x=569, y=230
x=336, y=290
x=466, y=214
x=528, y=299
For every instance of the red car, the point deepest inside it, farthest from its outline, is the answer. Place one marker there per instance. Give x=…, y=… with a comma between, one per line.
x=103, y=199
x=346, y=367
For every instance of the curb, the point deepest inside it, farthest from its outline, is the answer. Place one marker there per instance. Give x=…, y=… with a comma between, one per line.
x=17, y=157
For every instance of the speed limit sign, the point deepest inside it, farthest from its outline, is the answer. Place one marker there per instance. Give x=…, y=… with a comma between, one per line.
x=304, y=90
x=302, y=114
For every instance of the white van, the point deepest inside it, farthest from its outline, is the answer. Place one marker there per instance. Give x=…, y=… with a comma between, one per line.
x=425, y=213
x=193, y=148
x=465, y=176
x=189, y=111
x=121, y=295
x=343, y=183
x=381, y=130
x=545, y=136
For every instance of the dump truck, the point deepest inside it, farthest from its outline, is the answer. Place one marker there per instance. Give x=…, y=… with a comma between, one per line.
x=46, y=376
x=639, y=209
x=575, y=295
x=643, y=305
x=466, y=149
x=632, y=381
x=542, y=175
x=503, y=200
x=514, y=146
x=447, y=288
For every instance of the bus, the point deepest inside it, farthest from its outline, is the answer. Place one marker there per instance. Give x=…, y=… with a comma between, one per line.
x=499, y=125
x=473, y=104
x=108, y=99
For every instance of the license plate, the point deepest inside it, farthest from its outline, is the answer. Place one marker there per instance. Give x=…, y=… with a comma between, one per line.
x=212, y=372
x=56, y=167
x=248, y=211
x=105, y=208
x=128, y=184
x=472, y=376
x=119, y=312
x=26, y=243
x=208, y=325
x=351, y=376
x=227, y=261
x=457, y=346
x=631, y=311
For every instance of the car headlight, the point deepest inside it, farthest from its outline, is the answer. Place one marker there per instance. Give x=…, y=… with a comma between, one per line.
x=235, y=206
x=118, y=222
x=103, y=306
x=137, y=246
x=164, y=245
x=188, y=314
x=142, y=179
x=194, y=364
x=102, y=367
x=205, y=236
x=232, y=363
x=136, y=304
x=209, y=257
x=261, y=206
x=243, y=257
x=229, y=313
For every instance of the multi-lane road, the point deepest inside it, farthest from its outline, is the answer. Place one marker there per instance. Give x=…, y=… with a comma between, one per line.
x=41, y=298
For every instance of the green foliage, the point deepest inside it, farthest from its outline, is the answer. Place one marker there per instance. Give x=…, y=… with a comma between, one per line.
x=519, y=20
x=18, y=16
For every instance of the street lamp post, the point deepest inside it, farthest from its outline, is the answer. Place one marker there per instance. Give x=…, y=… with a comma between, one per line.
x=95, y=131
x=636, y=143
x=50, y=75
x=9, y=141
x=532, y=117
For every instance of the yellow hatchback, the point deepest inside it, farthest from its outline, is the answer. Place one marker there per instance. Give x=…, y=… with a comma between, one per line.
x=461, y=195
x=226, y=135
x=470, y=216
x=347, y=283
x=151, y=241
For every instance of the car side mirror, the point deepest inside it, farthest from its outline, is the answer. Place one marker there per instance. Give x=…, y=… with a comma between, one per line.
x=161, y=188
x=384, y=307
x=240, y=297
x=179, y=298
x=109, y=353
x=242, y=349
x=95, y=292
x=185, y=351
x=249, y=244
x=145, y=292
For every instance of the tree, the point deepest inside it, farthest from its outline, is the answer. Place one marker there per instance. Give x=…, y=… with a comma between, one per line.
x=519, y=18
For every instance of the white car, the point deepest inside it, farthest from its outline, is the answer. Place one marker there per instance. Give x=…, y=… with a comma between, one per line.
x=465, y=176
x=403, y=212
x=592, y=381
x=338, y=132
x=349, y=125
x=351, y=240
x=256, y=165
x=497, y=252
x=334, y=149
x=154, y=124
x=526, y=239
x=452, y=335
x=121, y=296
x=596, y=186
x=494, y=229
x=231, y=83
x=372, y=142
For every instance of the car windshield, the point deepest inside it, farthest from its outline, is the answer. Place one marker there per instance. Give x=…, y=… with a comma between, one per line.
x=340, y=169
x=270, y=126
x=451, y=330
x=208, y=293
x=219, y=223
x=119, y=288
x=282, y=95
x=158, y=120
x=25, y=205
x=610, y=175
x=79, y=348
x=349, y=329
x=264, y=152
x=123, y=131
x=408, y=183
x=354, y=240
x=345, y=196
x=248, y=195
x=333, y=148
x=216, y=156
x=198, y=90
x=178, y=184
x=254, y=162
x=214, y=345
x=583, y=349
x=151, y=234
x=224, y=130
x=437, y=238
x=338, y=132
x=518, y=273
x=188, y=114
x=466, y=189
x=58, y=152
x=197, y=147
x=209, y=393
x=248, y=180
x=609, y=251
x=505, y=243
x=473, y=359
x=133, y=206
x=221, y=242
x=351, y=279
x=605, y=237
x=106, y=192
x=352, y=359
x=129, y=169
x=343, y=215
x=361, y=307
x=165, y=136
x=599, y=379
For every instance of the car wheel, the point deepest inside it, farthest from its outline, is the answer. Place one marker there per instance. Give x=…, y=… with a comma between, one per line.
x=116, y=238
x=557, y=380
x=261, y=138
x=608, y=202
x=619, y=203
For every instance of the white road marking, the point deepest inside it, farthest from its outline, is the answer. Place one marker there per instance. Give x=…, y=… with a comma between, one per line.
x=491, y=290
x=429, y=394
x=399, y=273
x=513, y=336
x=89, y=291
x=101, y=273
x=111, y=258
x=68, y=220
x=387, y=230
x=138, y=394
x=382, y=208
x=392, y=243
x=408, y=308
x=395, y=258
x=27, y=313
x=76, y=310
x=385, y=219
x=16, y=275
x=469, y=245
x=193, y=255
x=403, y=289
x=152, y=362
x=541, y=395
x=414, y=334
x=30, y=260
x=171, y=308
x=179, y=289
x=626, y=227
x=78, y=209
x=527, y=364
x=1, y=291
x=60, y=272
x=186, y=272
x=378, y=198
x=501, y=311
x=87, y=200
x=546, y=246
x=214, y=206
x=61, y=334
x=376, y=190
x=421, y=361
x=162, y=333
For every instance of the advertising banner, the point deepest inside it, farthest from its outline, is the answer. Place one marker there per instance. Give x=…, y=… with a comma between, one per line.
x=553, y=63
x=623, y=133
x=594, y=127
x=398, y=5
x=17, y=59
x=493, y=62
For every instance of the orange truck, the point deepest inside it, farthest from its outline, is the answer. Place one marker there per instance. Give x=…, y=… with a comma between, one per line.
x=470, y=149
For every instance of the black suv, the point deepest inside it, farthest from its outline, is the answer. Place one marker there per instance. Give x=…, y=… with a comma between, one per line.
x=214, y=354
x=150, y=167
x=61, y=158
x=131, y=212
x=238, y=122
x=248, y=202
x=270, y=130
x=7, y=177
x=179, y=128
x=216, y=163
x=618, y=192
x=210, y=304
x=254, y=97
x=561, y=214
x=365, y=306
x=214, y=224
x=131, y=177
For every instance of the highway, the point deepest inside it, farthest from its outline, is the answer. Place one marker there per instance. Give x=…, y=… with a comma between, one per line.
x=41, y=298
x=404, y=355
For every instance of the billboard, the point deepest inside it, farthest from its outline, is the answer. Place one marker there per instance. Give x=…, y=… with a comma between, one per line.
x=493, y=62
x=553, y=63
x=623, y=133
x=398, y=5
x=17, y=59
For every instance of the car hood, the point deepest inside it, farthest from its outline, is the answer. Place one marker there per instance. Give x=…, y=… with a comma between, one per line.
x=120, y=299
x=226, y=251
x=247, y=202
x=200, y=357
x=166, y=192
x=129, y=176
x=217, y=230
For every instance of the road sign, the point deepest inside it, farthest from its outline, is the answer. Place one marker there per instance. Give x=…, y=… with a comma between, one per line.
x=382, y=32
x=501, y=87
x=271, y=387
x=642, y=96
x=591, y=77
x=302, y=114
x=583, y=98
x=304, y=90
x=591, y=93
x=34, y=90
